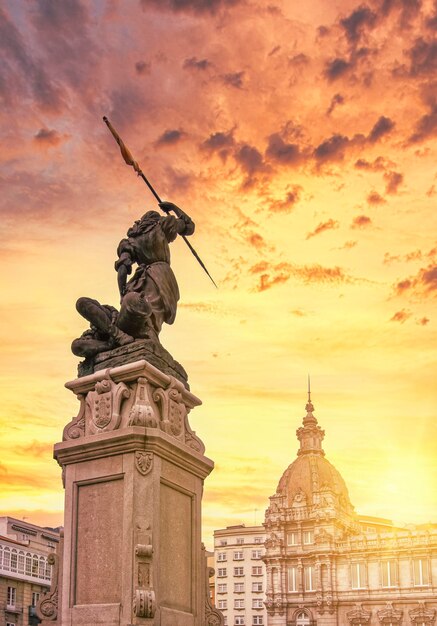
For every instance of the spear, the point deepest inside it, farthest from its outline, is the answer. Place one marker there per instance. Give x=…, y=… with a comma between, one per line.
x=129, y=160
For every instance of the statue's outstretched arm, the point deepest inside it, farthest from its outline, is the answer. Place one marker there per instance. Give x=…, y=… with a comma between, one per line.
x=185, y=225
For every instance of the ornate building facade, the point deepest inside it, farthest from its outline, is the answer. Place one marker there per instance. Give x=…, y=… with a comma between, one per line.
x=325, y=566
x=25, y=569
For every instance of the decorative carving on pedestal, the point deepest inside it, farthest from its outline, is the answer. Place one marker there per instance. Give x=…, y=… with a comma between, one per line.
x=76, y=428
x=104, y=404
x=144, y=603
x=389, y=615
x=359, y=615
x=143, y=461
x=47, y=607
x=142, y=412
x=173, y=409
x=213, y=617
x=422, y=615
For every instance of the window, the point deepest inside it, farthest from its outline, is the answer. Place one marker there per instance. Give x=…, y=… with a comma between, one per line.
x=222, y=556
x=7, y=559
x=221, y=572
x=238, y=556
x=222, y=604
x=257, y=570
x=225, y=620
x=421, y=572
x=28, y=567
x=239, y=587
x=257, y=603
x=258, y=619
x=35, y=598
x=358, y=575
x=12, y=597
x=308, y=537
x=239, y=603
x=35, y=564
x=389, y=578
x=20, y=569
x=222, y=588
x=308, y=578
x=292, y=539
x=292, y=579
x=257, y=587
x=258, y=540
x=239, y=620
x=9, y=624
x=14, y=561
x=240, y=540
x=303, y=620
x=223, y=542
x=238, y=571
x=51, y=545
x=256, y=554
x=42, y=566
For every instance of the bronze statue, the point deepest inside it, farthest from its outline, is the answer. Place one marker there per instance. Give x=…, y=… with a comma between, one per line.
x=150, y=297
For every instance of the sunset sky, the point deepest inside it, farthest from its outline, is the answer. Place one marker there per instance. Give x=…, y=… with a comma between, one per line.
x=300, y=137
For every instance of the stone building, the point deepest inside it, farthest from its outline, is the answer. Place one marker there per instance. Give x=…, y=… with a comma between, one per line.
x=25, y=573
x=240, y=575
x=326, y=566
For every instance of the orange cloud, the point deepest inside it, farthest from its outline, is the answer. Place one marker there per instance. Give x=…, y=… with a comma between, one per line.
x=400, y=316
x=322, y=227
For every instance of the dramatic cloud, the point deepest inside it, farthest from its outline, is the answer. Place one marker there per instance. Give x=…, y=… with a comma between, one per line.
x=361, y=221
x=401, y=316
x=197, y=64
x=282, y=152
x=322, y=227
x=332, y=149
x=234, y=79
x=200, y=7
x=219, y=142
x=335, y=68
x=271, y=275
x=250, y=159
x=375, y=199
x=48, y=138
x=383, y=126
x=423, y=57
x=394, y=180
x=170, y=138
x=287, y=205
x=378, y=165
x=354, y=25
x=426, y=127
x=337, y=99
x=423, y=283
x=143, y=68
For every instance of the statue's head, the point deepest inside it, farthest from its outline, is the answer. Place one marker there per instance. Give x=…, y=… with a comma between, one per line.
x=150, y=216
x=144, y=224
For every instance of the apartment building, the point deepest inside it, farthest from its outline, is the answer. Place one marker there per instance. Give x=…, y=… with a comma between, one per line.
x=25, y=573
x=240, y=579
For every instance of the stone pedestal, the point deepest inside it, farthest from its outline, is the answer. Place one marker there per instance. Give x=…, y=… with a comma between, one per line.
x=133, y=474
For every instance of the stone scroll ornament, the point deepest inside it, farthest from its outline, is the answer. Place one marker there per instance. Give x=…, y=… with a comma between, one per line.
x=144, y=602
x=47, y=607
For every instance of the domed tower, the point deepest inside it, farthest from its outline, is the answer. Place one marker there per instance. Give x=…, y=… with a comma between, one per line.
x=308, y=516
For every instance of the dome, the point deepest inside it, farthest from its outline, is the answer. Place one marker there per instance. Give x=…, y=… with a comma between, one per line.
x=311, y=479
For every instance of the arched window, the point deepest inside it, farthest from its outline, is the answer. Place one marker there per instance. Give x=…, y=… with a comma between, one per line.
x=7, y=559
x=28, y=564
x=1, y=557
x=34, y=565
x=14, y=560
x=42, y=564
x=21, y=562
x=302, y=619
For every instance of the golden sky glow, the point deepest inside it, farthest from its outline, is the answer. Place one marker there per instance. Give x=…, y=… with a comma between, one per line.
x=301, y=139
